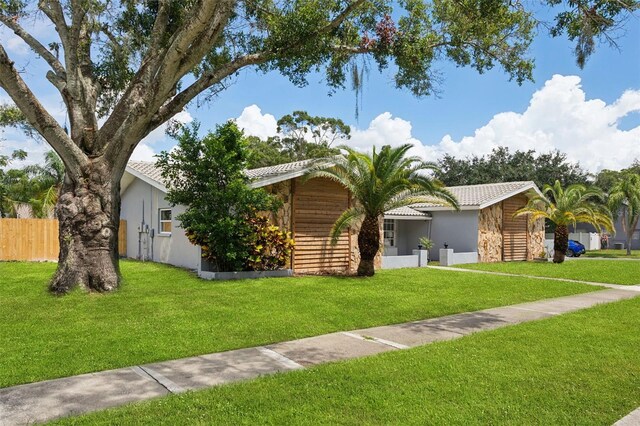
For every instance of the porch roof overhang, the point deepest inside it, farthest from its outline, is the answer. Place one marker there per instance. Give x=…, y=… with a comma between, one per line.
x=406, y=213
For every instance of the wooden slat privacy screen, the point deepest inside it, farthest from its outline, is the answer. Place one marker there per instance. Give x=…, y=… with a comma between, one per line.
x=37, y=239
x=316, y=206
x=514, y=230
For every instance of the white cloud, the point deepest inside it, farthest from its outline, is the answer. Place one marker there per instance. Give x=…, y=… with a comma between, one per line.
x=387, y=130
x=560, y=116
x=160, y=134
x=17, y=46
x=143, y=152
x=254, y=123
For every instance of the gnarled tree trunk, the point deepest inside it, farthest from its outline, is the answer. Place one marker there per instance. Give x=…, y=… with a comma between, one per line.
x=369, y=245
x=88, y=211
x=560, y=243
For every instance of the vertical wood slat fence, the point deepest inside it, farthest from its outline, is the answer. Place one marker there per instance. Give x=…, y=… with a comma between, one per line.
x=37, y=239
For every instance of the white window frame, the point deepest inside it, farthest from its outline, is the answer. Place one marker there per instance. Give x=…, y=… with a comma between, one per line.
x=393, y=237
x=161, y=221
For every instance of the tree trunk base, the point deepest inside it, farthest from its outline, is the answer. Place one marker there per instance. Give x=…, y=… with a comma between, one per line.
x=95, y=272
x=560, y=243
x=366, y=268
x=369, y=245
x=88, y=213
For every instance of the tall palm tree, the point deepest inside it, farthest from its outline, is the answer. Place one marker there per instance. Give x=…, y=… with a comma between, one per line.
x=624, y=199
x=564, y=207
x=379, y=181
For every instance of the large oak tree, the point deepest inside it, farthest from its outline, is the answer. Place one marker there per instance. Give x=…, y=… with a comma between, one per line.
x=123, y=68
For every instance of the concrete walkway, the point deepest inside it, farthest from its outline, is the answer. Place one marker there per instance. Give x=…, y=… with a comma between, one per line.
x=42, y=401
x=633, y=419
x=536, y=277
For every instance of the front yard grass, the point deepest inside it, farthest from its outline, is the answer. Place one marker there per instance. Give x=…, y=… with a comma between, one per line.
x=163, y=313
x=599, y=271
x=611, y=253
x=581, y=368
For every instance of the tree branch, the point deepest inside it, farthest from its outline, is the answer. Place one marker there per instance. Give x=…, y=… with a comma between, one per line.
x=37, y=47
x=10, y=80
x=205, y=81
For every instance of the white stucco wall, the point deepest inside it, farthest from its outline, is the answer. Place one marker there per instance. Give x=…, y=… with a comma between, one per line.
x=174, y=249
x=408, y=233
x=458, y=229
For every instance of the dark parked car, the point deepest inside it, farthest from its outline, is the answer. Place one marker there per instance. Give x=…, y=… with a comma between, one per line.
x=575, y=249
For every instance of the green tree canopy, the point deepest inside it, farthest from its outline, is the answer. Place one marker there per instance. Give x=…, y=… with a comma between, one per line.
x=606, y=178
x=301, y=137
x=502, y=165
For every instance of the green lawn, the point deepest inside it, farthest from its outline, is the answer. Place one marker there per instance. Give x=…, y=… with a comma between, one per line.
x=600, y=271
x=610, y=253
x=164, y=313
x=581, y=368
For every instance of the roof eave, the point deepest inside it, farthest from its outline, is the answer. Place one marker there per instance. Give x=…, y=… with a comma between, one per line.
x=444, y=208
x=146, y=179
x=401, y=217
x=525, y=188
x=259, y=183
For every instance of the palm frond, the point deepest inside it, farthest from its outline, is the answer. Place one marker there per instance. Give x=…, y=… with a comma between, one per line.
x=346, y=219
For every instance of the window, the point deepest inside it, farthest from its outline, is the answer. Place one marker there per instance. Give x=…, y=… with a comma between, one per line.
x=165, y=221
x=636, y=235
x=389, y=229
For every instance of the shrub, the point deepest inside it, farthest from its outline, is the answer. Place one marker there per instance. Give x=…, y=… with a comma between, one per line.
x=271, y=247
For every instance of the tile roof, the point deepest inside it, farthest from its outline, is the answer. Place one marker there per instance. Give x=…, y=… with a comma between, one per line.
x=469, y=196
x=404, y=211
x=280, y=169
x=482, y=195
x=149, y=170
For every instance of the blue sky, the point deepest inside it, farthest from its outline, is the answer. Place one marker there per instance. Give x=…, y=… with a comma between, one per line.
x=578, y=111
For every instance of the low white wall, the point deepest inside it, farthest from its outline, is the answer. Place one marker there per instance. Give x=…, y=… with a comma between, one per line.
x=448, y=257
x=419, y=258
x=590, y=240
x=548, y=247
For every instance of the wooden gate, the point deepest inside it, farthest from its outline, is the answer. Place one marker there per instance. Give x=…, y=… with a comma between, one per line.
x=515, y=234
x=316, y=206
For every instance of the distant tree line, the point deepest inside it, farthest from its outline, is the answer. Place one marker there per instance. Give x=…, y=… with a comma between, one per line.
x=502, y=165
x=301, y=136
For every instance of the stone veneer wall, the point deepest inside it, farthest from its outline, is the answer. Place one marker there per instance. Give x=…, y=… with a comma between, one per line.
x=536, y=238
x=282, y=218
x=490, y=234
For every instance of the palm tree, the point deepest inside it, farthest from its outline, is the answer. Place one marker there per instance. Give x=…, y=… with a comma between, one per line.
x=624, y=199
x=379, y=182
x=46, y=182
x=564, y=207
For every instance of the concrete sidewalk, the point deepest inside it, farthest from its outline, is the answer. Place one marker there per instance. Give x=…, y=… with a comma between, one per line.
x=536, y=277
x=632, y=419
x=42, y=401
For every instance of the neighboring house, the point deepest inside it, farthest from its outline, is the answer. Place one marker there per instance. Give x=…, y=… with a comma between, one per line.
x=484, y=224
x=308, y=212
x=310, y=209
x=620, y=237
